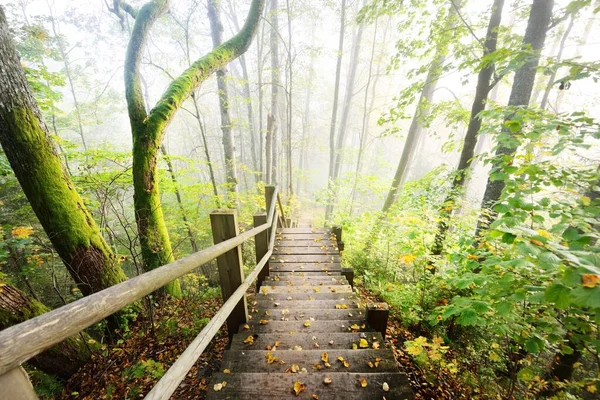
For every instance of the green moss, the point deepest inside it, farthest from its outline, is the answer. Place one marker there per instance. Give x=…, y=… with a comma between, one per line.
x=59, y=208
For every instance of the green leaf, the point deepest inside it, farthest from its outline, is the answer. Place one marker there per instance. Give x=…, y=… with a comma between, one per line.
x=467, y=317
x=559, y=295
x=534, y=345
x=586, y=297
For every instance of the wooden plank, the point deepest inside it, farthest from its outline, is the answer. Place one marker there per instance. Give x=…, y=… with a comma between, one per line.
x=315, y=279
x=326, y=341
x=256, y=360
x=309, y=296
x=344, y=385
x=321, y=231
x=285, y=251
x=16, y=385
x=306, y=304
x=261, y=246
x=316, y=314
x=305, y=258
x=359, y=325
x=305, y=243
x=231, y=265
x=305, y=267
x=303, y=282
x=303, y=273
x=272, y=289
x=305, y=236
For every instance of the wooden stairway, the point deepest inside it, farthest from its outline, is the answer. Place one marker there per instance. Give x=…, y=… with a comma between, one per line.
x=308, y=336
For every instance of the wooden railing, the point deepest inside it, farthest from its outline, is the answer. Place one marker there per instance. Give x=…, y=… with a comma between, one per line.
x=21, y=342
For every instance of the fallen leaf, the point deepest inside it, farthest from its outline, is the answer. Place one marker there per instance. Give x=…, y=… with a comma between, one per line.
x=271, y=358
x=325, y=357
x=385, y=387
x=249, y=340
x=298, y=388
x=363, y=382
x=218, y=387
x=375, y=345
x=307, y=324
x=226, y=371
x=363, y=343
x=315, y=396
x=263, y=322
x=327, y=380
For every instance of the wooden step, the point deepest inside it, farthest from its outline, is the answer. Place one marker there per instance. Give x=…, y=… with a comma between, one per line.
x=256, y=360
x=282, y=251
x=312, y=289
x=302, y=315
x=343, y=386
x=303, y=236
x=303, y=281
x=326, y=341
x=304, y=267
x=303, y=273
x=340, y=297
x=306, y=243
x=265, y=303
x=305, y=258
x=346, y=325
x=322, y=231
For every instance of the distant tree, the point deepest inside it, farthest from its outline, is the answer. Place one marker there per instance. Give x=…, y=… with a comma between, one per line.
x=272, y=125
x=148, y=128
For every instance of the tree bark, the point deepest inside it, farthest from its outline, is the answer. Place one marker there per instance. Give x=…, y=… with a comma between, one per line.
x=273, y=115
x=484, y=85
x=535, y=36
x=216, y=27
x=49, y=189
x=148, y=128
x=336, y=95
x=63, y=359
x=422, y=111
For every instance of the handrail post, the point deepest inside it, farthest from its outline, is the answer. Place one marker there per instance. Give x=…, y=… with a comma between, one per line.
x=337, y=231
x=16, y=385
x=269, y=192
x=231, y=266
x=261, y=247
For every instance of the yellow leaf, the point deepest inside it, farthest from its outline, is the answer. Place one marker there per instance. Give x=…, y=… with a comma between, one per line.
x=589, y=280
x=494, y=357
x=586, y=200
x=354, y=327
x=591, y=388
x=325, y=357
x=307, y=324
x=271, y=358
x=249, y=340
x=263, y=322
x=375, y=345
x=298, y=388
x=226, y=371
x=346, y=364
x=407, y=259
x=354, y=346
x=22, y=232
x=363, y=343
x=363, y=382
x=327, y=380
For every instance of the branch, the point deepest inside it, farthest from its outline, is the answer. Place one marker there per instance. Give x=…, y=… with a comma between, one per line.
x=181, y=88
x=146, y=17
x=119, y=5
x=465, y=22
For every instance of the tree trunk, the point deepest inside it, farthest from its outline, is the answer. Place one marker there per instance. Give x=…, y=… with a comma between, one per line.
x=535, y=36
x=148, y=129
x=49, y=189
x=559, y=56
x=63, y=359
x=341, y=136
x=422, y=111
x=216, y=28
x=290, y=98
x=484, y=85
x=65, y=59
x=272, y=133
x=336, y=95
x=306, y=126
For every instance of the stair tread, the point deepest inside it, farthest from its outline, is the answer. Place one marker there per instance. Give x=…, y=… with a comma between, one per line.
x=306, y=340
x=301, y=315
x=345, y=325
x=308, y=289
x=344, y=385
x=357, y=360
x=267, y=302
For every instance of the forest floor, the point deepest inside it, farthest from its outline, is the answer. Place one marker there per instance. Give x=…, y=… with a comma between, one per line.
x=131, y=366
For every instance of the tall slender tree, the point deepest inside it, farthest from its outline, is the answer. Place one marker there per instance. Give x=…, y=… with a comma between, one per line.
x=272, y=119
x=216, y=27
x=520, y=95
x=423, y=107
x=334, y=111
x=484, y=85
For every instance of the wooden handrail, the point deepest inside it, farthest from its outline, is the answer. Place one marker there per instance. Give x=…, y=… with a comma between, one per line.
x=21, y=342
x=174, y=375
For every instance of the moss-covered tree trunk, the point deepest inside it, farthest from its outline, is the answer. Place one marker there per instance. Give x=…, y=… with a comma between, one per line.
x=148, y=129
x=48, y=187
x=63, y=359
